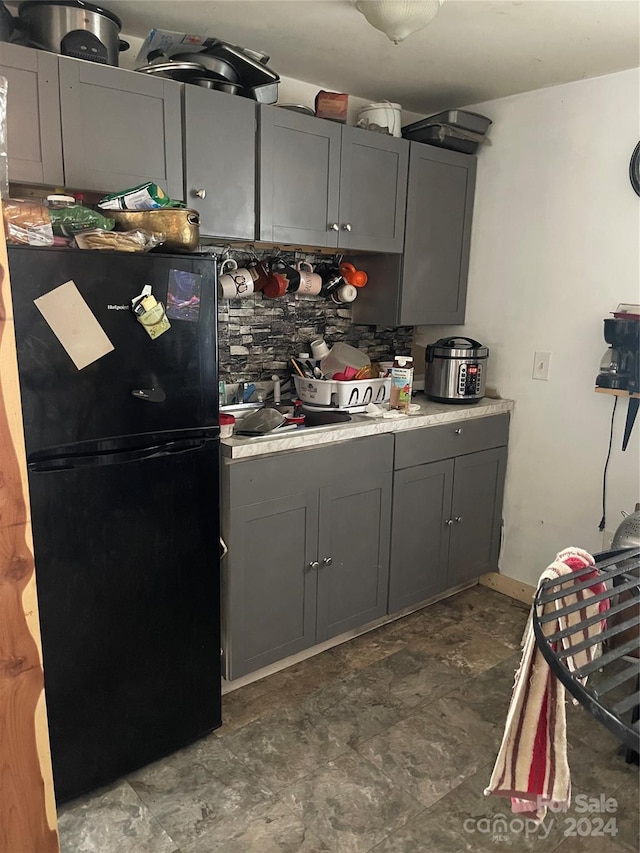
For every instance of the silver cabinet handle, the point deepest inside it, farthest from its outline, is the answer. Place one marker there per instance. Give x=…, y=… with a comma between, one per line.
x=449, y=522
x=458, y=519
x=333, y=226
x=200, y=193
x=314, y=564
x=327, y=561
x=346, y=226
x=458, y=431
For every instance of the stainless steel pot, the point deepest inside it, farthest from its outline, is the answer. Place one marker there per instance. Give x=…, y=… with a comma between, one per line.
x=73, y=28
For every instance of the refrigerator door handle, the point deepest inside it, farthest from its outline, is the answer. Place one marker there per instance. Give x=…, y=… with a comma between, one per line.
x=151, y=395
x=66, y=463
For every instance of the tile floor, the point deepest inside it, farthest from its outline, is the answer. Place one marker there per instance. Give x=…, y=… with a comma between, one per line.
x=382, y=744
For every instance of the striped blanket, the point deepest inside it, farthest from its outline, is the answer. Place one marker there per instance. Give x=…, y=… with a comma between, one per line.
x=532, y=766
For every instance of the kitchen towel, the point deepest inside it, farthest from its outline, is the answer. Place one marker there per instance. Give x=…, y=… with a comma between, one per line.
x=532, y=766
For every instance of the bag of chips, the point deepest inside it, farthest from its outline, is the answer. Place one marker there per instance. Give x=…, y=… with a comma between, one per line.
x=147, y=196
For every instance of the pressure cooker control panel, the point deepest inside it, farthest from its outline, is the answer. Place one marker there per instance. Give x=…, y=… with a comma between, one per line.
x=470, y=379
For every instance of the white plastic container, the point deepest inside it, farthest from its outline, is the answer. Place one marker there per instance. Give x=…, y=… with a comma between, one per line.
x=383, y=114
x=343, y=355
x=349, y=396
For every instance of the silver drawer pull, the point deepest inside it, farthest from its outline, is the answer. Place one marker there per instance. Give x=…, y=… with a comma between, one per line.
x=314, y=565
x=458, y=431
x=333, y=226
x=346, y=226
x=449, y=522
x=327, y=561
x=458, y=519
x=200, y=193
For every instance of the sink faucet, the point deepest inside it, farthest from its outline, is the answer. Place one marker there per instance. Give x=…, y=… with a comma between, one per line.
x=276, y=388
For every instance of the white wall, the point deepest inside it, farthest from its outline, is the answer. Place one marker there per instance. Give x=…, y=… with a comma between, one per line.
x=555, y=248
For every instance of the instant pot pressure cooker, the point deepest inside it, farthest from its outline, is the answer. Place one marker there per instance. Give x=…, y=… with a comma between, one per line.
x=455, y=370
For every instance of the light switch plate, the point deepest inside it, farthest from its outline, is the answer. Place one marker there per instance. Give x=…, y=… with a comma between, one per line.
x=541, y=365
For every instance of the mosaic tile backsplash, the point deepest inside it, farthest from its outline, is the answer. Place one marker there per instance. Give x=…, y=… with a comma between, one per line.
x=256, y=336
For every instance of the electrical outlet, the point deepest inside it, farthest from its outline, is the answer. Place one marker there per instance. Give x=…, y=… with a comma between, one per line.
x=541, y=365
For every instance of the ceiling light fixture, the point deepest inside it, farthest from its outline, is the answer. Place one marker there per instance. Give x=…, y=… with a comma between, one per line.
x=397, y=19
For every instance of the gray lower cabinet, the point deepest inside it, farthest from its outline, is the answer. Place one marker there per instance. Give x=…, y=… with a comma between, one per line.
x=428, y=284
x=119, y=128
x=220, y=156
x=322, y=184
x=308, y=537
x=446, y=513
x=34, y=140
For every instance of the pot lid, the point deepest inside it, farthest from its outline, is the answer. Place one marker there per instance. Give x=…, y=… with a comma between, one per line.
x=457, y=348
x=71, y=4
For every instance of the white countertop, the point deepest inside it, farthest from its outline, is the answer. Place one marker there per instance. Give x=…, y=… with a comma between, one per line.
x=429, y=414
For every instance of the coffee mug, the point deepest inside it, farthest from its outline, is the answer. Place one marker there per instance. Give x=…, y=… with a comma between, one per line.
x=236, y=284
x=344, y=294
x=290, y=273
x=331, y=280
x=310, y=281
x=259, y=274
x=319, y=348
x=358, y=278
x=276, y=286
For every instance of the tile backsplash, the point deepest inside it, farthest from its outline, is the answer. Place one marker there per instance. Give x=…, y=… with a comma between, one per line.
x=256, y=336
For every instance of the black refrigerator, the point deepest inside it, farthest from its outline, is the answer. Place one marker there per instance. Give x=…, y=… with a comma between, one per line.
x=123, y=477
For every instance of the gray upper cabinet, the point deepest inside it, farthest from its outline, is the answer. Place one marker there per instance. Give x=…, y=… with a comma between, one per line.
x=428, y=284
x=220, y=157
x=308, y=536
x=326, y=185
x=119, y=128
x=373, y=191
x=299, y=168
x=33, y=115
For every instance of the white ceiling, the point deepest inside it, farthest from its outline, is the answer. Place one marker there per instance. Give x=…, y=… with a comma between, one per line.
x=474, y=50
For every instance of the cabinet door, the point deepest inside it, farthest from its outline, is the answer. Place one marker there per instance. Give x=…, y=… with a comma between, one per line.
x=119, y=128
x=299, y=178
x=420, y=533
x=437, y=236
x=34, y=141
x=353, y=552
x=477, y=513
x=271, y=595
x=373, y=191
x=220, y=153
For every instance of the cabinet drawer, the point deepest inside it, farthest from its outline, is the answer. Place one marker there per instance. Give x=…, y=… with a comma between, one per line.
x=253, y=480
x=428, y=444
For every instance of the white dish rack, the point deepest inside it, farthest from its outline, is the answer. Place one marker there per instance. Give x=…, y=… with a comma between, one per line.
x=350, y=396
